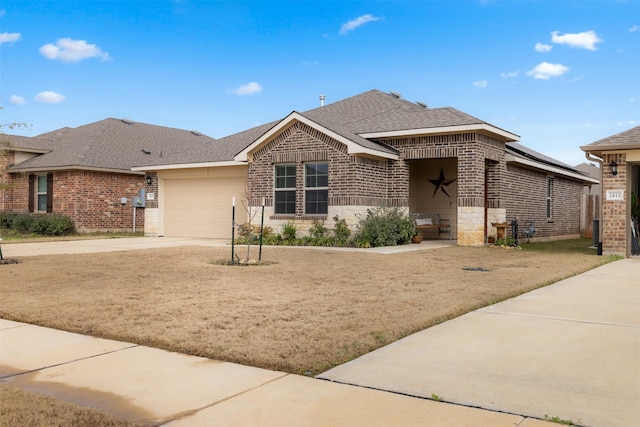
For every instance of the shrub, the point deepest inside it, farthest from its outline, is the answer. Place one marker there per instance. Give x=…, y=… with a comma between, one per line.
x=53, y=225
x=289, y=232
x=45, y=225
x=341, y=231
x=7, y=219
x=385, y=227
x=23, y=223
x=318, y=230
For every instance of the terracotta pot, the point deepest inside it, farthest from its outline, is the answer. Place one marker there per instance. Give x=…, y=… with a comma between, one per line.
x=416, y=239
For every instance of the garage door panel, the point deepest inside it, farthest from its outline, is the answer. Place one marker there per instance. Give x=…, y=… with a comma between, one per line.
x=201, y=207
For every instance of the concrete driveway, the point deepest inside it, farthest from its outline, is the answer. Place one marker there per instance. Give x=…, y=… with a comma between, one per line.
x=570, y=350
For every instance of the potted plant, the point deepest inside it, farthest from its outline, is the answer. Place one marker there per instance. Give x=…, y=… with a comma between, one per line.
x=417, y=238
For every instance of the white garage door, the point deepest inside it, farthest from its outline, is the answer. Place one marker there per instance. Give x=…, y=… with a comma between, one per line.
x=199, y=204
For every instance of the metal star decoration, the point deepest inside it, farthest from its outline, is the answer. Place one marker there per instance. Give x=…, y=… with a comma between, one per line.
x=441, y=184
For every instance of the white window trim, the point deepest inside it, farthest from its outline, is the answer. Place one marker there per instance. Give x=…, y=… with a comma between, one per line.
x=276, y=189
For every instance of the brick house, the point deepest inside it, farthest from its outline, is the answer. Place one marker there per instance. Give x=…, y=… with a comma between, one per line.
x=619, y=157
x=373, y=149
x=85, y=172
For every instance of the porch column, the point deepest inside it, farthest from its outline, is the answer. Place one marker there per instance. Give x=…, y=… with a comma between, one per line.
x=470, y=197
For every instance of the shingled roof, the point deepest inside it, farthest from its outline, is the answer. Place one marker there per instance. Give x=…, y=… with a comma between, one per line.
x=110, y=145
x=627, y=140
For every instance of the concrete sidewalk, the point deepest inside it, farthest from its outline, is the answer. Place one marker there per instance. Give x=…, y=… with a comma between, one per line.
x=155, y=386
x=570, y=350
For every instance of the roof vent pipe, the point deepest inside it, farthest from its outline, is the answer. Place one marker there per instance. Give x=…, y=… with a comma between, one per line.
x=322, y=100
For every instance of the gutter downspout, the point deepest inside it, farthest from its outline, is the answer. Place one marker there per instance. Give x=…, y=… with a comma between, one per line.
x=598, y=160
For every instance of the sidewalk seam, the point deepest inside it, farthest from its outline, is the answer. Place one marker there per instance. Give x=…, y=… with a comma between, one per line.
x=561, y=319
x=217, y=402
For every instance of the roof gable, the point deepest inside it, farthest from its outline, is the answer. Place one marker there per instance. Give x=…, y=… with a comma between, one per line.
x=355, y=144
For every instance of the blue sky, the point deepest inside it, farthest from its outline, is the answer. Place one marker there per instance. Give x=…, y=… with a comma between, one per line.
x=558, y=73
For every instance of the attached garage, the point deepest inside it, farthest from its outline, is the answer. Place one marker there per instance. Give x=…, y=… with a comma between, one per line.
x=197, y=202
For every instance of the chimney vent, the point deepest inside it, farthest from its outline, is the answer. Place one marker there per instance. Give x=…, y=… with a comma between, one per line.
x=322, y=100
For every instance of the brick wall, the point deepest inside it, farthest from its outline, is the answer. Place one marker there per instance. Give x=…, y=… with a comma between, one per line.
x=614, y=213
x=525, y=195
x=14, y=188
x=91, y=199
x=353, y=181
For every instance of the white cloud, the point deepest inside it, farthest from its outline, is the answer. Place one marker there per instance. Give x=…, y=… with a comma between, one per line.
x=480, y=84
x=545, y=70
x=49, y=97
x=634, y=29
x=355, y=23
x=541, y=47
x=510, y=74
x=17, y=100
x=247, y=89
x=628, y=123
x=586, y=40
x=9, y=37
x=69, y=50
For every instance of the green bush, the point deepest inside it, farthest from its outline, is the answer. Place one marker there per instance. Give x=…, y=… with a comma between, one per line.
x=7, y=219
x=341, y=232
x=53, y=225
x=289, y=232
x=23, y=223
x=385, y=227
x=42, y=224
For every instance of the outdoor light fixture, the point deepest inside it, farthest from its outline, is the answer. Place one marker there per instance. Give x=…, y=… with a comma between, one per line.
x=614, y=168
x=149, y=179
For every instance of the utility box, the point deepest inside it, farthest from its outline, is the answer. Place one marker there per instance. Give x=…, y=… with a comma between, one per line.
x=139, y=201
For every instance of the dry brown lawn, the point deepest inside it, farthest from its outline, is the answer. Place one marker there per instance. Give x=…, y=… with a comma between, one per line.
x=304, y=312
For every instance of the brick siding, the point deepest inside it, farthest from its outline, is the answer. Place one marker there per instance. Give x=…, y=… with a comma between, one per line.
x=614, y=227
x=525, y=194
x=91, y=199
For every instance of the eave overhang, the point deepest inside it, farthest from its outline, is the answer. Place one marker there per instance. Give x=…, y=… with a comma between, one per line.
x=597, y=150
x=352, y=147
x=479, y=127
x=188, y=166
x=532, y=164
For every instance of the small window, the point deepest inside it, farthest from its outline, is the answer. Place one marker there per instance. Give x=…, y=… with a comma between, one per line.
x=549, y=197
x=42, y=193
x=316, y=184
x=285, y=190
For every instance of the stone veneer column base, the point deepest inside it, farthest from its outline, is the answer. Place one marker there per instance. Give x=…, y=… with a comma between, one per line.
x=497, y=215
x=470, y=226
x=151, y=222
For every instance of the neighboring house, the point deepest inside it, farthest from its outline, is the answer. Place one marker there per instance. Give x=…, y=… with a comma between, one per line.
x=85, y=172
x=619, y=156
x=373, y=149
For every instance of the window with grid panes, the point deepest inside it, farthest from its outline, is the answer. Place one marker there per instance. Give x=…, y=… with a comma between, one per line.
x=316, y=188
x=285, y=189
